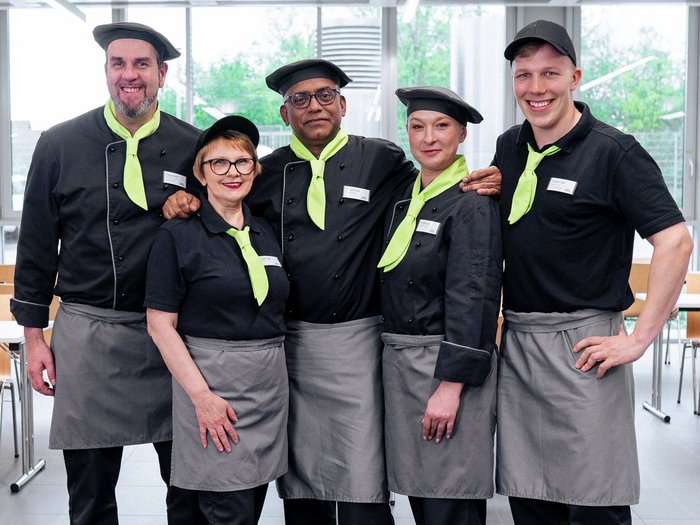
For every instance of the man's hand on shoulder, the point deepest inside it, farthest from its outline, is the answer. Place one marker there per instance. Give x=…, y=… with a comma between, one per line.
x=485, y=181
x=180, y=204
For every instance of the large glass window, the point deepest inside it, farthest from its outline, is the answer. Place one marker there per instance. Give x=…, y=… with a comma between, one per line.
x=458, y=47
x=634, y=77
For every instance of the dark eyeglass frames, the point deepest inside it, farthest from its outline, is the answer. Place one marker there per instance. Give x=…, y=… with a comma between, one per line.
x=302, y=100
x=244, y=166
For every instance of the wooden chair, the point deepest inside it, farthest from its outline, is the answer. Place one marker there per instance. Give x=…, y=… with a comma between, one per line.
x=7, y=273
x=692, y=335
x=6, y=381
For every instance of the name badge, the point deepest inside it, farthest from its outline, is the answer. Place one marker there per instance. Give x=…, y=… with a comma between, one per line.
x=269, y=260
x=170, y=177
x=562, y=185
x=430, y=227
x=359, y=194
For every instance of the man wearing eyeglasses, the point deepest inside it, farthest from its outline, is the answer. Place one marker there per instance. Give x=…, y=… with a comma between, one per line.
x=325, y=195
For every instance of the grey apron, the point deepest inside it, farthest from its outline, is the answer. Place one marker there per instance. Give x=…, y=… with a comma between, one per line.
x=112, y=386
x=457, y=468
x=564, y=435
x=251, y=376
x=336, y=414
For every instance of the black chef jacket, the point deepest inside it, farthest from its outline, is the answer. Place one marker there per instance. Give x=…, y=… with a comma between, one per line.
x=75, y=198
x=449, y=281
x=332, y=272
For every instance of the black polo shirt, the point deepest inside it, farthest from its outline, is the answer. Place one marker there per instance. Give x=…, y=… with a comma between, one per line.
x=198, y=271
x=332, y=272
x=449, y=281
x=573, y=250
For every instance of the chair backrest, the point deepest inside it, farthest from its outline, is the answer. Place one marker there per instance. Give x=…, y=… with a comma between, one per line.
x=7, y=273
x=639, y=276
x=5, y=315
x=692, y=285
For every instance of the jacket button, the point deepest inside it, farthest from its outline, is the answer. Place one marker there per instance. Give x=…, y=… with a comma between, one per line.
x=341, y=200
x=290, y=237
x=291, y=168
x=410, y=282
x=115, y=185
x=336, y=276
x=401, y=206
x=340, y=237
x=410, y=320
x=381, y=281
x=434, y=209
x=418, y=243
x=115, y=221
x=112, y=149
x=162, y=153
x=290, y=201
x=342, y=166
x=120, y=258
x=165, y=187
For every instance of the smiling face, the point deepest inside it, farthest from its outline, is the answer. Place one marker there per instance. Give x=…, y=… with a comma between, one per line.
x=316, y=125
x=225, y=192
x=434, y=138
x=134, y=77
x=543, y=84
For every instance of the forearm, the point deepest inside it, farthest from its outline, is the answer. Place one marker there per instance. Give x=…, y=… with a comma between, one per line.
x=669, y=265
x=175, y=354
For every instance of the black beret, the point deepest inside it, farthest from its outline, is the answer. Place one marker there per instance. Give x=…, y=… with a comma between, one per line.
x=546, y=31
x=438, y=99
x=229, y=123
x=286, y=76
x=107, y=33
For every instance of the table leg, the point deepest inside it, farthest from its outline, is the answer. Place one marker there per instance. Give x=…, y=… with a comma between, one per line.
x=29, y=468
x=655, y=406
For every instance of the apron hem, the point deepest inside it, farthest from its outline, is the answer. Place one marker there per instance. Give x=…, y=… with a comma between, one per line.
x=342, y=499
x=139, y=441
x=237, y=488
x=442, y=495
x=553, y=499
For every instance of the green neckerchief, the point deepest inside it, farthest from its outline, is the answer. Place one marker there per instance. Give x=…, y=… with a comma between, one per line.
x=256, y=269
x=400, y=241
x=316, y=196
x=527, y=183
x=133, y=177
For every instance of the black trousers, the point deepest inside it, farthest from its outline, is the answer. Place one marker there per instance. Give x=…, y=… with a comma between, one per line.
x=92, y=476
x=241, y=507
x=435, y=511
x=317, y=512
x=538, y=512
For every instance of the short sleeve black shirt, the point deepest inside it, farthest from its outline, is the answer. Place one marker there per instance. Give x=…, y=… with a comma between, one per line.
x=198, y=271
x=573, y=250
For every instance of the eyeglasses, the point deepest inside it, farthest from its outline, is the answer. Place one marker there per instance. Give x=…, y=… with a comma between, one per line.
x=302, y=100
x=244, y=166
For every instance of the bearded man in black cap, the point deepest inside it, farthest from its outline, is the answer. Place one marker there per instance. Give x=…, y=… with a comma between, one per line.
x=95, y=187
x=326, y=194
x=574, y=191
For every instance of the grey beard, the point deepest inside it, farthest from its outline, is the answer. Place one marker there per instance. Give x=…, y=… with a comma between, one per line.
x=134, y=112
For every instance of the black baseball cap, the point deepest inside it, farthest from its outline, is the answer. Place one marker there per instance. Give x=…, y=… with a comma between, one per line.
x=438, y=99
x=545, y=31
x=285, y=77
x=105, y=34
x=229, y=123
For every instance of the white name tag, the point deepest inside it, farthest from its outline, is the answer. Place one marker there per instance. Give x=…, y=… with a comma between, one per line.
x=270, y=260
x=430, y=227
x=359, y=194
x=562, y=185
x=170, y=177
